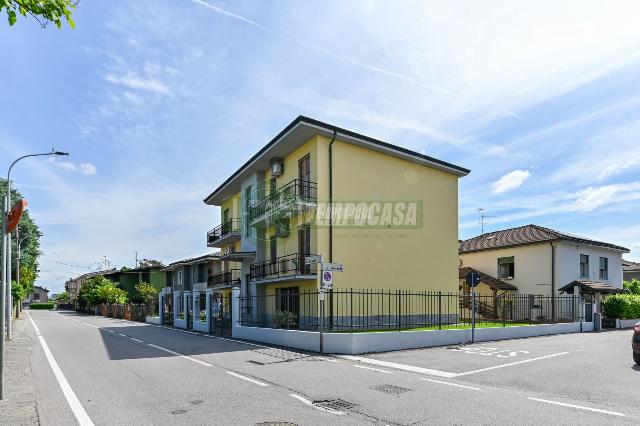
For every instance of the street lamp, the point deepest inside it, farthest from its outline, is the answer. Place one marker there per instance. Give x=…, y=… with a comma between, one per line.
x=6, y=266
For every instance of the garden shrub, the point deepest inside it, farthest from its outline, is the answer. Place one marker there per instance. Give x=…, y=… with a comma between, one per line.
x=42, y=306
x=623, y=306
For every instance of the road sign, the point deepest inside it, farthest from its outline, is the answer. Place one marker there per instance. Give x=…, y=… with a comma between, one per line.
x=327, y=280
x=310, y=260
x=15, y=214
x=473, y=279
x=337, y=267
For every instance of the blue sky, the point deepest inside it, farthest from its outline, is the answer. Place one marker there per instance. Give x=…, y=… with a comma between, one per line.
x=159, y=101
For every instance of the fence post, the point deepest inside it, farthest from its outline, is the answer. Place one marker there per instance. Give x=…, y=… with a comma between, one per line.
x=398, y=309
x=351, y=308
x=439, y=310
x=235, y=308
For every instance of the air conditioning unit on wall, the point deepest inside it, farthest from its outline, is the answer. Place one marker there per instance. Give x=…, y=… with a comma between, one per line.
x=277, y=168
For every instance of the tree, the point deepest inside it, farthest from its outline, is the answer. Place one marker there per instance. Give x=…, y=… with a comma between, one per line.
x=150, y=263
x=44, y=11
x=27, y=232
x=62, y=297
x=98, y=290
x=145, y=292
x=633, y=286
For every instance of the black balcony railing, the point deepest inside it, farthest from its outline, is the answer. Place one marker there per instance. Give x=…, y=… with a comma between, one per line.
x=232, y=276
x=229, y=227
x=286, y=197
x=292, y=264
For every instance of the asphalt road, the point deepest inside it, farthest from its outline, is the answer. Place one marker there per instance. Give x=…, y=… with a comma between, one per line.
x=125, y=373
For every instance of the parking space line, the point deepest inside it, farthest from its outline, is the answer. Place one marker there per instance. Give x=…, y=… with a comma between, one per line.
x=190, y=358
x=451, y=384
x=397, y=366
x=136, y=340
x=123, y=335
x=248, y=379
x=372, y=369
x=510, y=364
x=581, y=407
x=76, y=407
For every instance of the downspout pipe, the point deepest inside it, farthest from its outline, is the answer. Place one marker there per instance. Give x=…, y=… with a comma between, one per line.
x=331, y=196
x=331, y=221
x=553, y=281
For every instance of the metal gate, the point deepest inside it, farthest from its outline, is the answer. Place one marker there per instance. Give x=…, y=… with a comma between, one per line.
x=220, y=315
x=188, y=314
x=167, y=309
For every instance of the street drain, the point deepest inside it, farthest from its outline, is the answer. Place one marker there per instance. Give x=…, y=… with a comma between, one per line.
x=195, y=402
x=276, y=424
x=178, y=411
x=334, y=404
x=390, y=389
x=255, y=362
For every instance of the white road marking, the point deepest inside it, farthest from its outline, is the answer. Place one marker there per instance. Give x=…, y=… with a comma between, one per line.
x=108, y=331
x=190, y=358
x=76, y=407
x=311, y=404
x=511, y=363
x=397, y=366
x=123, y=335
x=451, y=384
x=136, y=340
x=248, y=379
x=597, y=410
x=372, y=369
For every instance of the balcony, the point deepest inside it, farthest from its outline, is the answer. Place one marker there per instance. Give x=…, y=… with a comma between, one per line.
x=289, y=199
x=224, y=279
x=225, y=233
x=289, y=266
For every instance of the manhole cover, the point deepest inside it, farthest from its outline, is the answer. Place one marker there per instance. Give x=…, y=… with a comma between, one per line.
x=195, y=402
x=178, y=411
x=334, y=404
x=255, y=362
x=390, y=389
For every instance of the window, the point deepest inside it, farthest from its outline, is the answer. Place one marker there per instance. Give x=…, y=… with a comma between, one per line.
x=272, y=185
x=273, y=248
x=604, y=268
x=247, y=204
x=36, y=296
x=179, y=278
x=304, y=248
x=506, y=267
x=194, y=275
x=584, y=266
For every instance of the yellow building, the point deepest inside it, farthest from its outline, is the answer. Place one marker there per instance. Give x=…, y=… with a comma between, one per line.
x=388, y=214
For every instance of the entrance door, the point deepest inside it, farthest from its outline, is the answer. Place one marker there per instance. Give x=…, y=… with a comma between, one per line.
x=221, y=315
x=304, y=248
x=304, y=176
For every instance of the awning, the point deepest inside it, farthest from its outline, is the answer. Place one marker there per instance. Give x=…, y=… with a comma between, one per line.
x=591, y=287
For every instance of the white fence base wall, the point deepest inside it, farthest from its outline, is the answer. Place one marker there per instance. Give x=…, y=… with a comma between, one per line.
x=202, y=326
x=180, y=323
x=626, y=323
x=359, y=343
x=153, y=320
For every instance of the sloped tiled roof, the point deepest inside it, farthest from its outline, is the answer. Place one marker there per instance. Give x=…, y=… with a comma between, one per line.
x=493, y=282
x=628, y=265
x=589, y=285
x=525, y=235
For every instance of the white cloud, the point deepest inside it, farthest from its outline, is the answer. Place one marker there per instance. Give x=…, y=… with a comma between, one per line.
x=510, y=181
x=132, y=81
x=84, y=168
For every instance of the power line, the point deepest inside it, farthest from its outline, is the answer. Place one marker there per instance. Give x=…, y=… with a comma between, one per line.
x=66, y=264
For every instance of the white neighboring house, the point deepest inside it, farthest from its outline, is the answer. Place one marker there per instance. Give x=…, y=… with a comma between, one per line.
x=541, y=261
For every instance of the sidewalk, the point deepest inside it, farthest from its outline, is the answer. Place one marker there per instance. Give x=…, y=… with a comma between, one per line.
x=19, y=406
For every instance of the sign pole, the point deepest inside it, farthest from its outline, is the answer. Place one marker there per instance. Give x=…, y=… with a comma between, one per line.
x=321, y=321
x=3, y=295
x=473, y=314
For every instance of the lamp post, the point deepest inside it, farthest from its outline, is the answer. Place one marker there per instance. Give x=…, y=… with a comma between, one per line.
x=19, y=245
x=5, y=323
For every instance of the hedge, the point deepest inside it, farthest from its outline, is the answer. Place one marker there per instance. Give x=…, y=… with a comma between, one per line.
x=623, y=306
x=42, y=306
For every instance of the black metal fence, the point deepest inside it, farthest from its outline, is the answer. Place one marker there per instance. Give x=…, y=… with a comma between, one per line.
x=291, y=264
x=284, y=198
x=368, y=310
